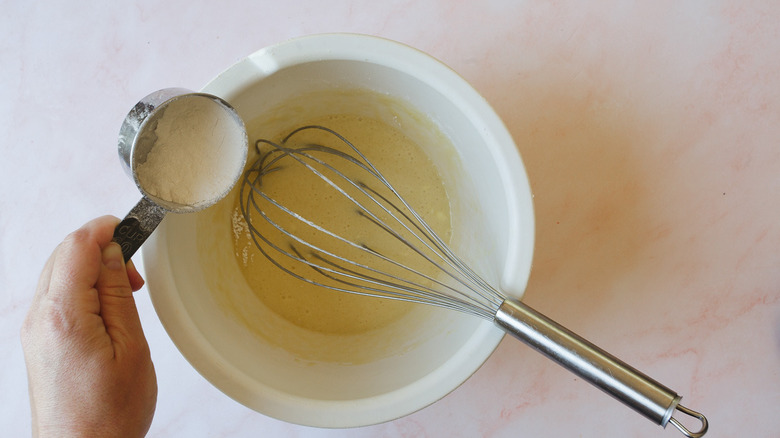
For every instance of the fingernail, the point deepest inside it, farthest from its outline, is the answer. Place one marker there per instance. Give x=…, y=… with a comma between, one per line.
x=112, y=257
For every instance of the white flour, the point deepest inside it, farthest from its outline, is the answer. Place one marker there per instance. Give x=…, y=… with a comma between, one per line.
x=197, y=154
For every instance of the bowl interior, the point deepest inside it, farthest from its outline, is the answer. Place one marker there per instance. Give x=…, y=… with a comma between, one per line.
x=392, y=371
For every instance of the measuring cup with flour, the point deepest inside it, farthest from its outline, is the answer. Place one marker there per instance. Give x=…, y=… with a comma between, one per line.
x=185, y=151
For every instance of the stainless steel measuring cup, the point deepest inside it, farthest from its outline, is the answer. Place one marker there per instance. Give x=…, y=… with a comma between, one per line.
x=136, y=139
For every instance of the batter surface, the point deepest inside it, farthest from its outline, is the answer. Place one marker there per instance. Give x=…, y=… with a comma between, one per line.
x=410, y=171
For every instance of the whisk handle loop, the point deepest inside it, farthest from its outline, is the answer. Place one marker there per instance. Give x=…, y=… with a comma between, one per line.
x=613, y=376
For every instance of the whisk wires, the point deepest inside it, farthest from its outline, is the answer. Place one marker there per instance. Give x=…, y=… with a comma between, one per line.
x=417, y=266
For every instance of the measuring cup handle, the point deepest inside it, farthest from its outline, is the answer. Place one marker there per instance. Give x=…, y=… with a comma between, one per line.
x=137, y=226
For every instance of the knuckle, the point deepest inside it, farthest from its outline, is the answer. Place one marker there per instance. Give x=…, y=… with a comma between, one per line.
x=78, y=236
x=117, y=290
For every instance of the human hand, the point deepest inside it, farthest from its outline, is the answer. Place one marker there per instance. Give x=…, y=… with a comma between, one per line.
x=88, y=364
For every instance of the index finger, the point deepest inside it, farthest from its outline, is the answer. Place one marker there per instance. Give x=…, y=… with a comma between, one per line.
x=75, y=264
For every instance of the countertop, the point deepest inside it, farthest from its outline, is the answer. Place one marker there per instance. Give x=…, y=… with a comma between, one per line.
x=651, y=136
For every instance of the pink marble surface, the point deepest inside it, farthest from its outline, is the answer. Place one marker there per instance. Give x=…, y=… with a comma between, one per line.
x=651, y=134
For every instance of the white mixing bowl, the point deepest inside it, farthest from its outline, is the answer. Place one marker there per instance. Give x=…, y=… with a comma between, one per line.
x=493, y=230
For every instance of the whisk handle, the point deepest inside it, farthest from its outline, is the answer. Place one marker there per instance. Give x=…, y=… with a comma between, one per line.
x=613, y=376
x=137, y=226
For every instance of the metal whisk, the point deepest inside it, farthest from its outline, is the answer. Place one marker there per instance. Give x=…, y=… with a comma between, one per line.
x=415, y=266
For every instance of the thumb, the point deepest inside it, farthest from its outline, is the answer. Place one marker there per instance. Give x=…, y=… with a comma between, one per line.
x=117, y=306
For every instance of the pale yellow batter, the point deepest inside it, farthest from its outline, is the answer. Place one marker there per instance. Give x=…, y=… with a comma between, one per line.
x=404, y=164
